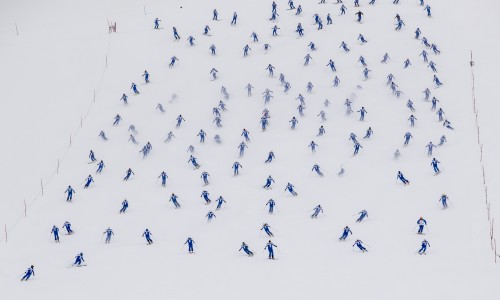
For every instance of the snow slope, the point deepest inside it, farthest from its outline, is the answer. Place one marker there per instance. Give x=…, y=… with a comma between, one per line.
x=311, y=261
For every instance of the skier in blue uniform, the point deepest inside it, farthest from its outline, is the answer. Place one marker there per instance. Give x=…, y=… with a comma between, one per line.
x=173, y=199
x=205, y=176
x=421, y=224
x=269, y=247
x=409, y=104
x=269, y=182
x=443, y=200
x=369, y=133
x=331, y=64
x=290, y=188
x=88, y=181
x=67, y=226
x=428, y=10
x=385, y=58
x=425, y=244
x=109, y=233
x=362, y=214
x=346, y=233
x=146, y=76
x=210, y=216
x=193, y=161
x=235, y=18
x=163, y=177
x=190, y=244
x=359, y=14
x=176, y=34
x=124, y=206
x=92, y=156
x=157, y=23
x=313, y=146
x=242, y=147
x=316, y=212
x=271, y=204
x=267, y=229
x=147, y=235
x=321, y=131
x=128, y=174
x=429, y=147
x=134, y=88
x=401, y=177
x=434, y=164
x=245, y=248
x=360, y=245
x=317, y=170
x=294, y=122
x=28, y=273
x=100, y=167
x=219, y=202
x=407, y=137
x=191, y=40
x=70, y=191
x=356, y=148
x=270, y=157
x=236, y=167
x=55, y=232
x=173, y=59
x=78, y=259
x=353, y=137
x=206, y=197
x=412, y=120
x=362, y=113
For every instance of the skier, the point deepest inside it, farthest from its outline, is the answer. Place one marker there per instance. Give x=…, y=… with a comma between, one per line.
x=193, y=161
x=428, y=10
x=440, y=114
x=179, y=121
x=321, y=131
x=128, y=174
x=417, y=33
x=163, y=177
x=215, y=15
x=55, y=232
x=359, y=244
x=362, y=39
x=235, y=17
x=432, y=65
x=317, y=210
x=346, y=232
x=434, y=164
x=397, y=154
x=356, y=148
x=369, y=133
x=425, y=244
x=124, y=98
x=352, y=137
x=299, y=29
x=289, y=187
x=313, y=146
x=409, y=104
x=147, y=234
x=412, y=120
x=270, y=157
x=271, y=204
x=242, y=147
x=70, y=192
x=176, y=35
x=385, y=58
x=205, y=196
x=190, y=244
x=421, y=223
x=205, y=176
x=344, y=46
x=191, y=40
x=134, y=88
x=212, y=49
x=124, y=206
x=437, y=81
x=270, y=69
x=67, y=226
x=28, y=273
x=246, y=249
x=407, y=137
x=79, y=259
x=317, y=170
x=220, y=201
x=309, y=87
x=108, y=233
x=267, y=229
x=206, y=30
x=429, y=147
x=269, y=181
x=100, y=167
x=210, y=216
x=269, y=247
x=294, y=122
x=173, y=59
x=146, y=76
x=331, y=64
x=214, y=72
x=92, y=156
x=336, y=81
x=88, y=181
x=362, y=215
x=434, y=102
x=401, y=177
x=400, y=24
x=236, y=167
x=406, y=63
x=170, y=135
x=444, y=199
x=157, y=23
x=442, y=140
x=362, y=113
x=217, y=139
x=359, y=14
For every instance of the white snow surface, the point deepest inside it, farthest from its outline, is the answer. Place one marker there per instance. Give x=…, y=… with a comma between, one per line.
x=51, y=70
